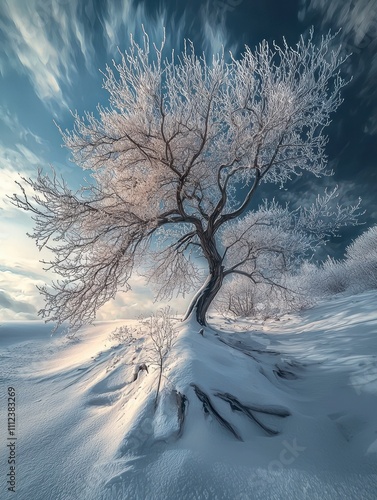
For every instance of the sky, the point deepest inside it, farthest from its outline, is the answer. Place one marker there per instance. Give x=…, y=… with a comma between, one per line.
x=51, y=56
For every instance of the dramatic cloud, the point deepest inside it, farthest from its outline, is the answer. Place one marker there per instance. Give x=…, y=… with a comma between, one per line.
x=358, y=24
x=49, y=41
x=41, y=39
x=18, y=297
x=121, y=19
x=17, y=306
x=359, y=19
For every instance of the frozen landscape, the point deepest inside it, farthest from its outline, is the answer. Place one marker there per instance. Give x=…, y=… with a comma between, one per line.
x=184, y=182
x=273, y=410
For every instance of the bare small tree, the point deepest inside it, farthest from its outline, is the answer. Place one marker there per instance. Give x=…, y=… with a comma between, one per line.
x=160, y=329
x=168, y=159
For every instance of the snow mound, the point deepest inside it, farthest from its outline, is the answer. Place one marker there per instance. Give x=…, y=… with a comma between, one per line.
x=277, y=410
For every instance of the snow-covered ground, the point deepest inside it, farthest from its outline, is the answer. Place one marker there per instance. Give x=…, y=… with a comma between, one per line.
x=290, y=413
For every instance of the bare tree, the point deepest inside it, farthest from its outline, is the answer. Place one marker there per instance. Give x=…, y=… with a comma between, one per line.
x=160, y=330
x=175, y=162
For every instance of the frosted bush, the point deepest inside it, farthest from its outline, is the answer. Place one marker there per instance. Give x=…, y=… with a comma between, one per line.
x=356, y=273
x=239, y=298
x=122, y=335
x=361, y=261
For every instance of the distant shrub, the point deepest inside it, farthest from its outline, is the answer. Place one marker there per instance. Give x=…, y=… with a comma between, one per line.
x=333, y=277
x=240, y=299
x=356, y=273
x=361, y=261
x=365, y=246
x=122, y=335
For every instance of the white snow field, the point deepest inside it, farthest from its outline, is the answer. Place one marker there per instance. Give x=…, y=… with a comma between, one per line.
x=279, y=410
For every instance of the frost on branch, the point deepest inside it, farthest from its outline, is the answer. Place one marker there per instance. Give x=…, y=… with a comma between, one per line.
x=160, y=329
x=265, y=249
x=323, y=218
x=167, y=158
x=265, y=244
x=173, y=267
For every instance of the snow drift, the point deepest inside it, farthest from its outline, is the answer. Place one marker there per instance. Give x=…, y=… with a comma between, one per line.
x=281, y=409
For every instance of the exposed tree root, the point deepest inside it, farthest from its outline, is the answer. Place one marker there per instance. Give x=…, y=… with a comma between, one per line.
x=286, y=374
x=248, y=410
x=246, y=349
x=139, y=368
x=278, y=411
x=285, y=370
x=209, y=408
x=181, y=401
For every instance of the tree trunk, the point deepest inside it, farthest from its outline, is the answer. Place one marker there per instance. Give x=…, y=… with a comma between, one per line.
x=158, y=384
x=204, y=298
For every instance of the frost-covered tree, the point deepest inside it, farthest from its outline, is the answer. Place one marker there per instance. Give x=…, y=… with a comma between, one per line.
x=360, y=263
x=364, y=247
x=160, y=330
x=358, y=270
x=175, y=161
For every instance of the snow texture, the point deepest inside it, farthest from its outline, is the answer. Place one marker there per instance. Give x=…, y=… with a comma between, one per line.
x=86, y=430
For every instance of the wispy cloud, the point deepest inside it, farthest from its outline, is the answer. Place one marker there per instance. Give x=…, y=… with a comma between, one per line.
x=371, y=126
x=48, y=40
x=116, y=17
x=13, y=161
x=358, y=24
x=125, y=18
x=215, y=35
x=207, y=29
x=12, y=122
x=355, y=18
x=41, y=39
